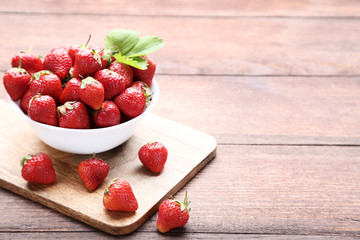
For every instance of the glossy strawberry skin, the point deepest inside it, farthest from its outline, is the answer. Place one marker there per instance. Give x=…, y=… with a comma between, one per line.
x=131, y=102
x=146, y=75
x=30, y=62
x=92, y=172
x=87, y=63
x=58, y=61
x=38, y=168
x=73, y=115
x=92, y=92
x=16, y=82
x=120, y=197
x=108, y=115
x=113, y=83
x=153, y=156
x=71, y=91
x=123, y=70
x=72, y=51
x=25, y=100
x=42, y=109
x=46, y=83
x=171, y=216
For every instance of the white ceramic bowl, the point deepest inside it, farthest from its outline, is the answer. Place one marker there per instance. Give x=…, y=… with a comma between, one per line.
x=88, y=141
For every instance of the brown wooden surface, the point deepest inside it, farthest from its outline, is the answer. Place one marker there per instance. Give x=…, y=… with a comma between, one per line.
x=277, y=83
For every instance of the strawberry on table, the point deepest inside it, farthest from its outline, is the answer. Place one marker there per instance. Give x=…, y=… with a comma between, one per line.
x=16, y=82
x=123, y=70
x=132, y=102
x=92, y=172
x=42, y=108
x=146, y=75
x=58, y=61
x=92, y=92
x=119, y=196
x=46, y=83
x=173, y=214
x=71, y=91
x=73, y=115
x=113, y=83
x=108, y=115
x=153, y=156
x=38, y=168
x=29, y=61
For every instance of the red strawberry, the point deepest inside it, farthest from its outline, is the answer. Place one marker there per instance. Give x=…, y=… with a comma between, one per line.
x=108, y=115
x=123, y=70
x=16, y=82
x=87, y=62
x=92, y=92
x=46, y=83
x=113, y=83
x=153, y=156
x=73, y=115
x=92, y=172
x=74, y=49
x=38, y=168
x=30, y=62
x=42, y=108
x=132, y=102
x=58, y=61
x=25, y=100
x=146, y=75
x=119, y=196
x=173, y=214
x=71, y=91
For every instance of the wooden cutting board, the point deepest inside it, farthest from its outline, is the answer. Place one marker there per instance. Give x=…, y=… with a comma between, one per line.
x=189, y=151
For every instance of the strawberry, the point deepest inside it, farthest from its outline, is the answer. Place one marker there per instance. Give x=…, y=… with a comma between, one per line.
x=38, y=168
x=92, y=172
x=146, y=75
x=16, y=82
x=73, y=115
x=46, y=83
x=113, y=83
x=42, y=108
x=153, y=156
x=25, y=100
x=173, y=214
x=119, y=196
x=87, y=62
x=58, y=61
x=108, y=115
x=30, y=62
x=92, y=92
x=71, y=91
x=74, y=49
x=123, y=70
x=132, y=102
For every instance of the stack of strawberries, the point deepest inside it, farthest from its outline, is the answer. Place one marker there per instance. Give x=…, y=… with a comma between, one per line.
x=80, y=87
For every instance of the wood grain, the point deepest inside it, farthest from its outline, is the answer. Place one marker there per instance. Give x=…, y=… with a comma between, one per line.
x=258, y=189
x=253, y=46
x=226, y=8
x=190, y=150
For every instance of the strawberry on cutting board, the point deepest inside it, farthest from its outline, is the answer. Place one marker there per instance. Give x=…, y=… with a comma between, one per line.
x=92, y=172
x=173, y=214
x=153, y=156
x=42, y=108
x=38, y=168
x=119, y=196
x=16, y=82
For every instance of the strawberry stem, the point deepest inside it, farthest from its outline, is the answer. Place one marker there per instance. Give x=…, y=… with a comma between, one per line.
x=87, y=42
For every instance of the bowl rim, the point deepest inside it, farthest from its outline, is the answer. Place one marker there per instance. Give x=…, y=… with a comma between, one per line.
x=155, y=96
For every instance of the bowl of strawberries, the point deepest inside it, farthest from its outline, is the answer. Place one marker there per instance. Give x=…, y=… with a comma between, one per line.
x=85, y=99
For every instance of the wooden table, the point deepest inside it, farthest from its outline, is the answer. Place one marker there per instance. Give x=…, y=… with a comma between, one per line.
x=277, y=83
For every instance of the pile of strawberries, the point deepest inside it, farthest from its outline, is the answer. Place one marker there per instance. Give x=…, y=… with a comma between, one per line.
x=79, y=87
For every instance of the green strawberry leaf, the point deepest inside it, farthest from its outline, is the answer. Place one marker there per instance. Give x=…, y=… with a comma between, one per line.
x=136, y=62
x=121, y=40
x=145, y=45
